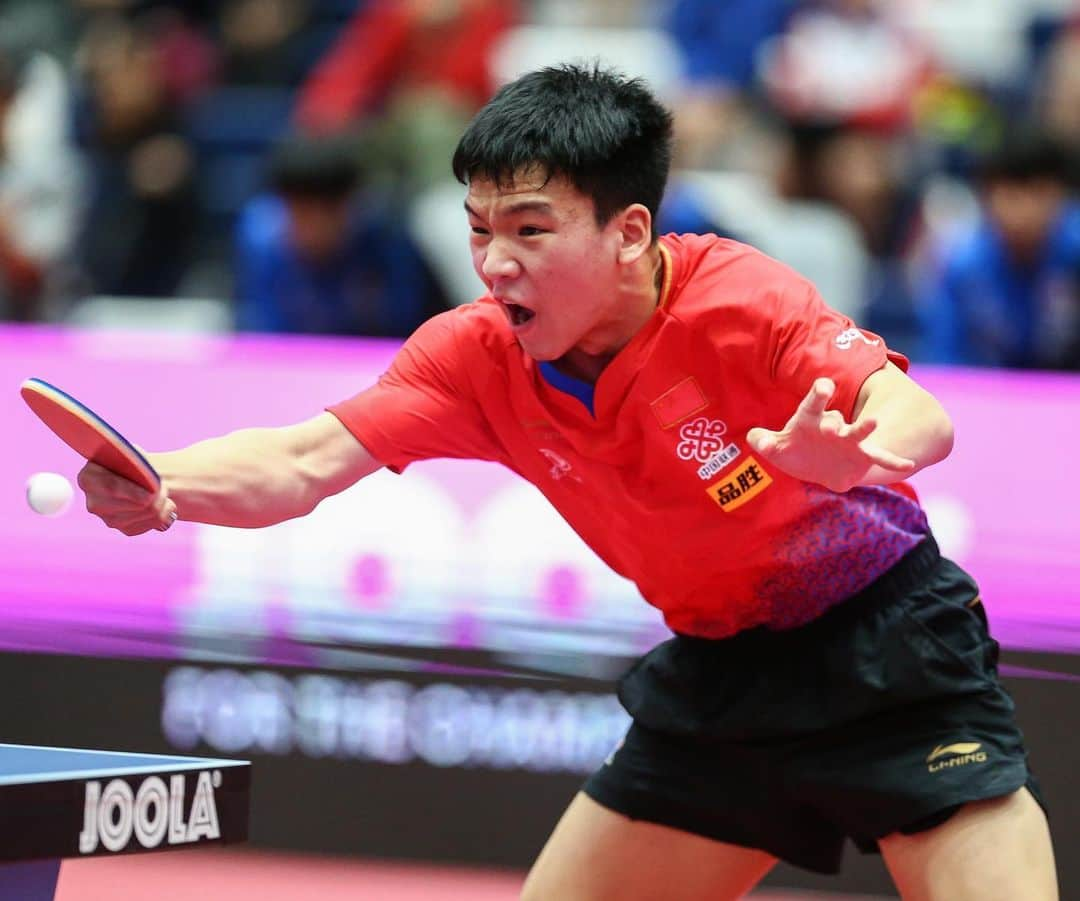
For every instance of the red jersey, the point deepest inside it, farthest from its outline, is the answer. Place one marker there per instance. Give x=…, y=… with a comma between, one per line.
x=658, y=479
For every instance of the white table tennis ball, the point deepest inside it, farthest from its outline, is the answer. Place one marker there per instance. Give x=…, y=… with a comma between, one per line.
x=48, y=493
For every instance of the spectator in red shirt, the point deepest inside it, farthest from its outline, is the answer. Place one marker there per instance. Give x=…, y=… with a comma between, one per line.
x=408, y=74
x=405, y=46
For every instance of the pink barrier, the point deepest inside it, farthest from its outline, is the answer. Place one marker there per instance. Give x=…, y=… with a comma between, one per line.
x=435, y=557
x=1006, y=503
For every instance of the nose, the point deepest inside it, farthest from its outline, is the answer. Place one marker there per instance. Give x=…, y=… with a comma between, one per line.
x=498, y=262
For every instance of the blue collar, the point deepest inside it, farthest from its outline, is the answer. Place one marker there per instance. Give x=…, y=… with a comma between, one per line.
x=583, y=391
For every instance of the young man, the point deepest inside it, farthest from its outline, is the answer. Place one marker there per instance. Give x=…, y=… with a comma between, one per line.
x=719, y=435
x=1003, y=290
x=318, y=254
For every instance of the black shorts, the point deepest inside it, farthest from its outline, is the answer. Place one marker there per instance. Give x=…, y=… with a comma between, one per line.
x=885, y=714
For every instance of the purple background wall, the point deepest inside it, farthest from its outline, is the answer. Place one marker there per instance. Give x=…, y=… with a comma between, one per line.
x=435, y=557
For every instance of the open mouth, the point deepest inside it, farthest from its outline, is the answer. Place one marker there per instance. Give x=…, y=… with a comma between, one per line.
x=519, y=315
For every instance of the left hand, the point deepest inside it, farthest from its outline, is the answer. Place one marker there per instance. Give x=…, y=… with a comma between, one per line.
x=819, y=445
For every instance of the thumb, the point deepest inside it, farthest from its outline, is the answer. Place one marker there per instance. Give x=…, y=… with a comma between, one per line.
x=761, y=440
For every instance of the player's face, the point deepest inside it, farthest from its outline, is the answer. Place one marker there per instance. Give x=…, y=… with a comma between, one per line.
x=1025, y=212
x=317, y=226
x=540, y=253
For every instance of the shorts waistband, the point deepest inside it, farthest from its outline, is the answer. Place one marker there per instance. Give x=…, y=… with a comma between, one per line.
x=899, y=579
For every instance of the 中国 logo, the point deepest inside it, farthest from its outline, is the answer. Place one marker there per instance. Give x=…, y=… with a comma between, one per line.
x=718, y=461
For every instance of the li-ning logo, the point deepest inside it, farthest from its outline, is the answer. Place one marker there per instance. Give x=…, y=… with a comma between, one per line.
x=849, y=336
x=700, y=439
x=154, y=813
x=959, y=754
x=560, y=469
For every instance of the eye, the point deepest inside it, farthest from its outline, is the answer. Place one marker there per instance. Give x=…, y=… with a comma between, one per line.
x=529, y=231
x=478, y=230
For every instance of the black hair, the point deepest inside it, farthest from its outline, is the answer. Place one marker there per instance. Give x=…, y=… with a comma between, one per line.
x=1027, y=155
x=605, y=133
x=325, y=168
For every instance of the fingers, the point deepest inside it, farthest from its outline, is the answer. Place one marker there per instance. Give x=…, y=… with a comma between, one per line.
x=860, y=430
x=817, y=398
x=833, y=425
x=762, y=440
x=100, y=482
x=131, y=525
x=166, y=511
x=123, y=505
x=135, y=523
x=886, y=459
x=857, y=433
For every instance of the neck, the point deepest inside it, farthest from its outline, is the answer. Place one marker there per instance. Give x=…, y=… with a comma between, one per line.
x=638, y=297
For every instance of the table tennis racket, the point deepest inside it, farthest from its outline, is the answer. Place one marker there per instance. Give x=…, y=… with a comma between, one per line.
x=81, y=429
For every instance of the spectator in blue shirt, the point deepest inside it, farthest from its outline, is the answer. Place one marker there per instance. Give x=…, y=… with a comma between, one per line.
x=1005, y=291
x=719, y=41
x=318, y=255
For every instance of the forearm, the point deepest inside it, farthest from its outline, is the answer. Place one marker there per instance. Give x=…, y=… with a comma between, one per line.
x=246, y=479
x=912, y=425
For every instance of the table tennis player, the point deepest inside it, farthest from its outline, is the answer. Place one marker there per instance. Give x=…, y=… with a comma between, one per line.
x=715, y=432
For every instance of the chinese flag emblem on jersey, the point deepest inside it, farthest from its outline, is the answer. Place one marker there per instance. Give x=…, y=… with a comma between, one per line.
x=677, y=403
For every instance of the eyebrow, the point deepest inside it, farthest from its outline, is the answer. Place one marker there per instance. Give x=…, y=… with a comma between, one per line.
x=522, y=206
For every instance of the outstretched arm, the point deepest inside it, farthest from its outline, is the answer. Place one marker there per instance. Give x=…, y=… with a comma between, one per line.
x=247, y=479
x=898, y=428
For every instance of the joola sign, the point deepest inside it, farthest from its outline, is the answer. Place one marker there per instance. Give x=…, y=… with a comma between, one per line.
x=155, y=813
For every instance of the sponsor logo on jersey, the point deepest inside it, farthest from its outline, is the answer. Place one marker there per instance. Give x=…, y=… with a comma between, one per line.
x=849, y=336
x=700, y=439
x=560, y=468
x=153, y=812
x=718, y=461
x=679, y=402
x=959, y=754
x=742, y=485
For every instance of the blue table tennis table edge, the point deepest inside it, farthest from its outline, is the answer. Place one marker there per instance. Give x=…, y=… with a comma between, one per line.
x=156, y=763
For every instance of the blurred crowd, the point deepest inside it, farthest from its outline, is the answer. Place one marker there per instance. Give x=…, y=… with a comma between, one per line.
x=288, y=160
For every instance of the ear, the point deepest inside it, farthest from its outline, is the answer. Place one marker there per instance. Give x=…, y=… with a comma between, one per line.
x=635, y=232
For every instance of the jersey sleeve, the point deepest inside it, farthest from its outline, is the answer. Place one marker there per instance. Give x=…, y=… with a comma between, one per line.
x=423, y=406
x=809, y=340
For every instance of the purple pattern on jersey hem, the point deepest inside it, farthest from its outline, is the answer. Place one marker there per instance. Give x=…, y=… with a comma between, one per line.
x=843, y=543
